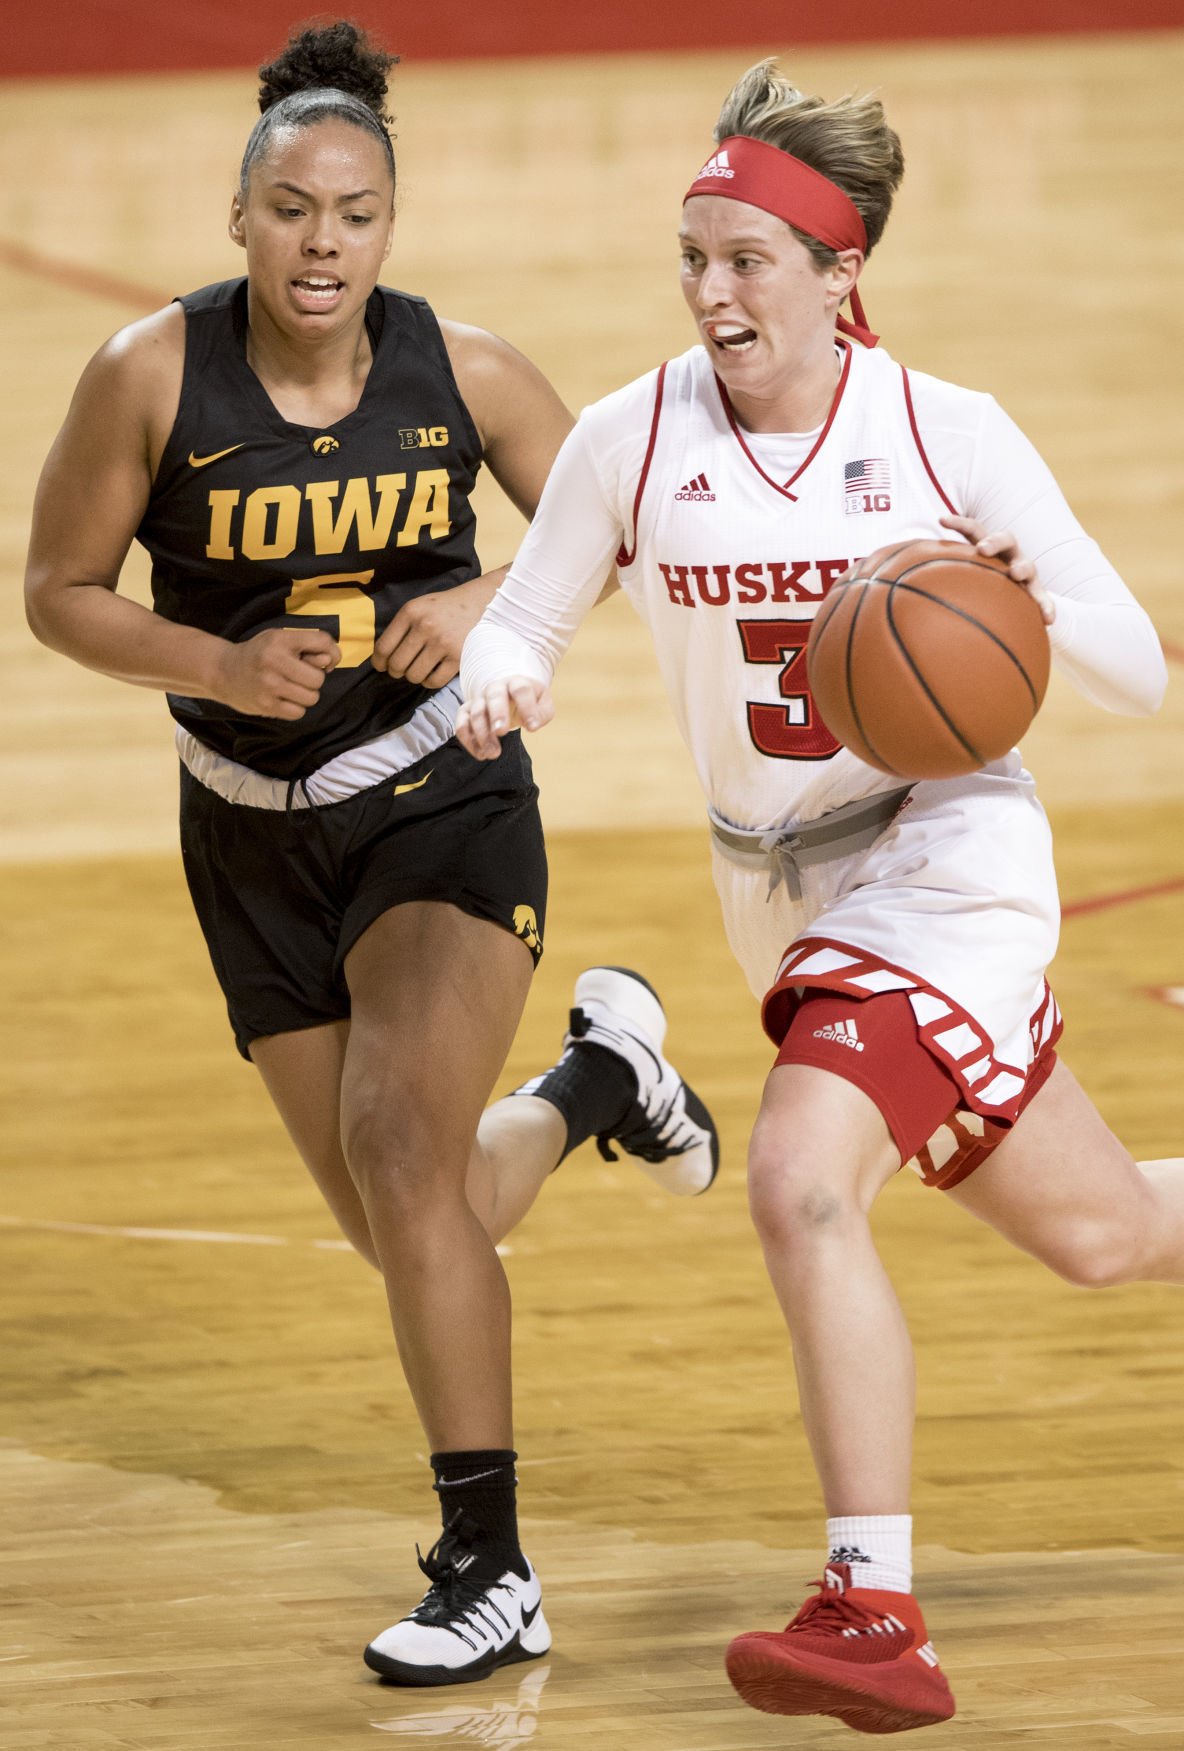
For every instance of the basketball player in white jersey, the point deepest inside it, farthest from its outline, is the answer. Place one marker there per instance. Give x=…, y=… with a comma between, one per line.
x=898, y=935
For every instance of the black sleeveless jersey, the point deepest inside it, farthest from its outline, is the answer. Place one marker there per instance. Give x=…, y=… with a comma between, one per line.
x=254, y=522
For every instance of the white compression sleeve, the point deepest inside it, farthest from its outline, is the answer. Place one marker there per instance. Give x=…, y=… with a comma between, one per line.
x=1101, y=638
x=555, y=579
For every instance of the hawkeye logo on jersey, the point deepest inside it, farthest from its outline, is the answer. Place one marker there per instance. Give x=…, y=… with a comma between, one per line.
x=273, y=520
x=423, y=437
x=325, y=445
x=697, y=490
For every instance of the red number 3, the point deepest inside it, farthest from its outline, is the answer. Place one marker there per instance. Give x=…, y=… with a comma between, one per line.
x=772, y=727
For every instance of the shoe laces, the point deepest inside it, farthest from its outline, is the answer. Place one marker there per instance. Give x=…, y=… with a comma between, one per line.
x=654, y=1134
x=457, y=1599
x=832, y=1613
x=654, y=1137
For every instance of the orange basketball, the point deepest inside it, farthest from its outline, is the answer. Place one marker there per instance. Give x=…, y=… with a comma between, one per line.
x=927, y=660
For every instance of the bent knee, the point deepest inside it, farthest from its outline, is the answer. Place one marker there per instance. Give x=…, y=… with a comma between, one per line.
x=402, y=1156
x=1094, y=1256
x=793, y=1200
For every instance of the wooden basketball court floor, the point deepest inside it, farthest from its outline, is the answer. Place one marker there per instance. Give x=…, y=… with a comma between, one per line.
x=211, y=1475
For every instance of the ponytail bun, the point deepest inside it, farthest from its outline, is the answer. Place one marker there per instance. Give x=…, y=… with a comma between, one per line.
x=337, y=56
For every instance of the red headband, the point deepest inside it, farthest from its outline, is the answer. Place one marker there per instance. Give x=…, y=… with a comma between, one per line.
x=743, y=169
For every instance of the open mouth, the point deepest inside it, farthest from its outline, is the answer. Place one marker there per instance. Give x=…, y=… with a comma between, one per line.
x=318, y=288
x=730, y=337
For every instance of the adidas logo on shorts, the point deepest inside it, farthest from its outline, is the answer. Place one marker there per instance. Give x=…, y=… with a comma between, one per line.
x=843, y=1033
x=697, y=489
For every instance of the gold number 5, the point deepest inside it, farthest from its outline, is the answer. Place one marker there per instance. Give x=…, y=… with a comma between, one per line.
x=336, y=597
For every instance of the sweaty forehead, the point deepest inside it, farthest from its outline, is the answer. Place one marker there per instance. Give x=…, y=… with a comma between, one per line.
x=329, y=150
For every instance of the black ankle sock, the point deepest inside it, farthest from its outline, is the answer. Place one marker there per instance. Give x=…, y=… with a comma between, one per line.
x=480, y=1483
x=591, y=1087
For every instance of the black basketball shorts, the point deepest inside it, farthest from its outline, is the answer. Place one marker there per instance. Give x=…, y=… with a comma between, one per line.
x=282, y=896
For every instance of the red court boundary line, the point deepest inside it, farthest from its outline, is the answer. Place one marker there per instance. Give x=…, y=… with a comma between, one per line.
x=1123, y=897
x=80, y=279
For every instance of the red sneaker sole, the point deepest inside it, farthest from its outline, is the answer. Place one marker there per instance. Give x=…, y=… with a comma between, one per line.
x=768, y=1682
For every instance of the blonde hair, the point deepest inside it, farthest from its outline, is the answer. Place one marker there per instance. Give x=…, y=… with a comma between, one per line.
x=847, y=140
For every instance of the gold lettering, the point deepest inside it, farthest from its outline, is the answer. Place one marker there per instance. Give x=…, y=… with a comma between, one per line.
x=330, y=533
x=222, y=504
x=286, y=500
x=428, y=509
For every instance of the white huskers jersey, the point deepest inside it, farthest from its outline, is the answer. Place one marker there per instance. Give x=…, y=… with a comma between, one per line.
x=729, y=541
x=730, y=557
x=729, y=561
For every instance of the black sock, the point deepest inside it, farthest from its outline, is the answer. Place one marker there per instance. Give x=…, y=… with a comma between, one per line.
x=480, y=1483
x=591, y=1087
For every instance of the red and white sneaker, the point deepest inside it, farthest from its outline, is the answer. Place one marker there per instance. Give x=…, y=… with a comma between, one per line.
x=859, y=1654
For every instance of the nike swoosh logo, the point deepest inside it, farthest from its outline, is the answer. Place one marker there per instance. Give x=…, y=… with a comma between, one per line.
x=528, y=1617
x=401, y=790
x=204, y=461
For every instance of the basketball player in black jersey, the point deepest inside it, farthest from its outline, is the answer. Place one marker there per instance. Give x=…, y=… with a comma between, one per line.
x=296, y=451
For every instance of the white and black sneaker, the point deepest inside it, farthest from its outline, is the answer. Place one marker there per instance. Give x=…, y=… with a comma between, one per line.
x=667, y=1128
x=475, y=1617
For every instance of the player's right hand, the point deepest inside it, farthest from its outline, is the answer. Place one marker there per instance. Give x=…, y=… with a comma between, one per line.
x=278, y=673
x=516, y=703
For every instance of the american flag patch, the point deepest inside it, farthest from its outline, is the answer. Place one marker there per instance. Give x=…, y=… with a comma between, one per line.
x=866, y=476
x=866, y=485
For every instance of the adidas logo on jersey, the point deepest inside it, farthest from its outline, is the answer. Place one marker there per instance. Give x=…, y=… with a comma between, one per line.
x=843, y=1033
x=697, y=490
x=716, y=166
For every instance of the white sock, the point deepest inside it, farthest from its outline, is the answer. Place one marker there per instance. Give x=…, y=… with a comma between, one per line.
x=879, y=1548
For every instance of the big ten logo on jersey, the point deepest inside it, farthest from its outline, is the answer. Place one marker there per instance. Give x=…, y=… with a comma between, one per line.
x=423, y=437
x=762, y=580
x=867, y=485
x=326, y=515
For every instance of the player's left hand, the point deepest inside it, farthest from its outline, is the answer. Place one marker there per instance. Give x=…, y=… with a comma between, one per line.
x=517, y=702
x=423, y=642
x=1001, y=544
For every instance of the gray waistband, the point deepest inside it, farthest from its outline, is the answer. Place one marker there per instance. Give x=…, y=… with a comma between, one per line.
x=427, y=729
x=786, y=851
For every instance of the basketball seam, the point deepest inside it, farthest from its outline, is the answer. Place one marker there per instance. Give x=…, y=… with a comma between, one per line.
x=882, y=557
x=851, y=700
x=921, y=681
x=963, y=614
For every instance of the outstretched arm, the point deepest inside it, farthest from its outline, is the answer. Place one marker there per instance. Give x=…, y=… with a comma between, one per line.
x=511, y=654
x=521, y=423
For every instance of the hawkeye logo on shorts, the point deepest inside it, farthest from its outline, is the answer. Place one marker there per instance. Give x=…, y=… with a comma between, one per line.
x=423, y=437
x=526, y=925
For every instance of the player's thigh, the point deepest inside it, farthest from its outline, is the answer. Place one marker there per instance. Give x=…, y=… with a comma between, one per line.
x=301, y=1071
x=1062, y=1187
x=436, y=995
